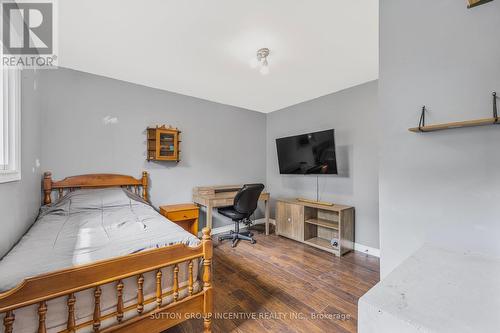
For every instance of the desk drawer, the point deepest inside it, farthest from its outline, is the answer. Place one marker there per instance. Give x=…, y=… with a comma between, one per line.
x=223, y=202
x=183, y=215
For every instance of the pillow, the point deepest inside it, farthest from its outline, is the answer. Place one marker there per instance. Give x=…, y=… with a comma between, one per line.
x=84, y=199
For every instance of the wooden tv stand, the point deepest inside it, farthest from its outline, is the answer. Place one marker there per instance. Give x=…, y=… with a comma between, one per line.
x=316, y=225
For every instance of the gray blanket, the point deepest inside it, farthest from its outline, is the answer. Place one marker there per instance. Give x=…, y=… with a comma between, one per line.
x=85, y=226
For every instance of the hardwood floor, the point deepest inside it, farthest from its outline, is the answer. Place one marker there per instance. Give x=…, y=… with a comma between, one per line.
x=279, y=285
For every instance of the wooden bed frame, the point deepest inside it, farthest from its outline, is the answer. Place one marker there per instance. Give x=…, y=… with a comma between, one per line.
x=67, y=282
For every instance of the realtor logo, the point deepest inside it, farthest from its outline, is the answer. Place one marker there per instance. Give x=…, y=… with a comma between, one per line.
x=28, y=34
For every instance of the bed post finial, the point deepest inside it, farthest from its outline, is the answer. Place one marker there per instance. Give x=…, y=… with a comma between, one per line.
x=47, y=188
x=208, y=305
x=145, y=185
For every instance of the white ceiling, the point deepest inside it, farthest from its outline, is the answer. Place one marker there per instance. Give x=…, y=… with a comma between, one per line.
x=203, y=48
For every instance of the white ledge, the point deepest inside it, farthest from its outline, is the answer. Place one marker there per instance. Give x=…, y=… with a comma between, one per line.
x=435, y=290
x=7, y=176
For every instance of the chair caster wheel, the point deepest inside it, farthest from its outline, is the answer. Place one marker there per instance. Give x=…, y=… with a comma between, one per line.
x=220, y=239
x=233, y=245
x=250, y=234
x=253, y=241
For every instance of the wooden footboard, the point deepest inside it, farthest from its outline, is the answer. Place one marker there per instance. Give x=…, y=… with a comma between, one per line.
x=67, y=282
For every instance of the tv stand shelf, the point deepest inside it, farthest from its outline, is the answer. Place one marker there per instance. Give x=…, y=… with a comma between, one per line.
x=324, y=223
x=329, y=228
x=318, y=242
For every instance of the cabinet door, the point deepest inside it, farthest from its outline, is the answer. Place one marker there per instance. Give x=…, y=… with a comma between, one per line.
x=281, y=220
x=290, y=220
x=166, y=145
x=296, y=213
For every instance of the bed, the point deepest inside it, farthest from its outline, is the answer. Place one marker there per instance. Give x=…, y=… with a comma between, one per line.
x=100, y=258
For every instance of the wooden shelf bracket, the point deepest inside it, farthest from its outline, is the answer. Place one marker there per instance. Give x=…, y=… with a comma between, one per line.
x=423, y=128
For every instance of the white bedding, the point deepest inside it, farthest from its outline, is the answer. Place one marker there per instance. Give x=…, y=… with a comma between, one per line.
x=85, y=226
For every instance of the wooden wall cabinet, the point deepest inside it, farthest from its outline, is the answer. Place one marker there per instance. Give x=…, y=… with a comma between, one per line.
x=163, y=144
x=316, y=225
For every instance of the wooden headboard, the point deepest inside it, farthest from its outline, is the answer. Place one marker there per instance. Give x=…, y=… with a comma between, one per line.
x=93, y=181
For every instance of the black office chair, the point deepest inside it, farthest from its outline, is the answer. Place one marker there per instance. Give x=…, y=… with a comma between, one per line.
x=245, y=203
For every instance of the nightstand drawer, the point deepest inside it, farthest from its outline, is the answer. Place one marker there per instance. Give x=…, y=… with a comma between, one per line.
x=182, y=215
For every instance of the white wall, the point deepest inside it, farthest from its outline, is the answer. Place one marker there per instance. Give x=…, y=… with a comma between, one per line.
x=221, y=144
x=441, y=187
x=20, y=200
x=353, y=114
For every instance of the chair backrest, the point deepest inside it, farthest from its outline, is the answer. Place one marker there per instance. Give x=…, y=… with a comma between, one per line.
x=245, y=201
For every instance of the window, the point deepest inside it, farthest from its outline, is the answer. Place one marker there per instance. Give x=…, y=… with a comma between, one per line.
x=10, y=130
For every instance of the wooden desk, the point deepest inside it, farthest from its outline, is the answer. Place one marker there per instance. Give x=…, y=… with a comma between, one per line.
x=222, y=196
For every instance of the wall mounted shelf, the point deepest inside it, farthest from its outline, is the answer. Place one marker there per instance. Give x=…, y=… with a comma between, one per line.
x=457, y=124
x=422, y=128
x=475, y=3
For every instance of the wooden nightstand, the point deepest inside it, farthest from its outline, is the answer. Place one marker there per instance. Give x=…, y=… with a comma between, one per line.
x=184, y=215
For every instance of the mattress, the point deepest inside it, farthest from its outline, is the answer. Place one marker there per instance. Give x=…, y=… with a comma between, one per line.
x=83, y=227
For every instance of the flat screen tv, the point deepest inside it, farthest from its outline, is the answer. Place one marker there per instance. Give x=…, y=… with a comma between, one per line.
x=312, y=153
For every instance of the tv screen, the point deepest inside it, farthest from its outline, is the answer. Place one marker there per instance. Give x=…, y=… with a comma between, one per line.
x=312, y=153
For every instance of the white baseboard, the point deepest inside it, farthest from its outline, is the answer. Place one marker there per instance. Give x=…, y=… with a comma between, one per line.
x=366, y=249
x=357, y=247
x=262, y=221
x=227, y=228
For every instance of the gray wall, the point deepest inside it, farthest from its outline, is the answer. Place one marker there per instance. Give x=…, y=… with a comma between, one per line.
x=441, y=187
x=220, y=144
x=20, y=201
x=353, y=115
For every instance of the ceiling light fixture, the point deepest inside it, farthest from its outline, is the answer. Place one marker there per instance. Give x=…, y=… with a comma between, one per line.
x=262, y=55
